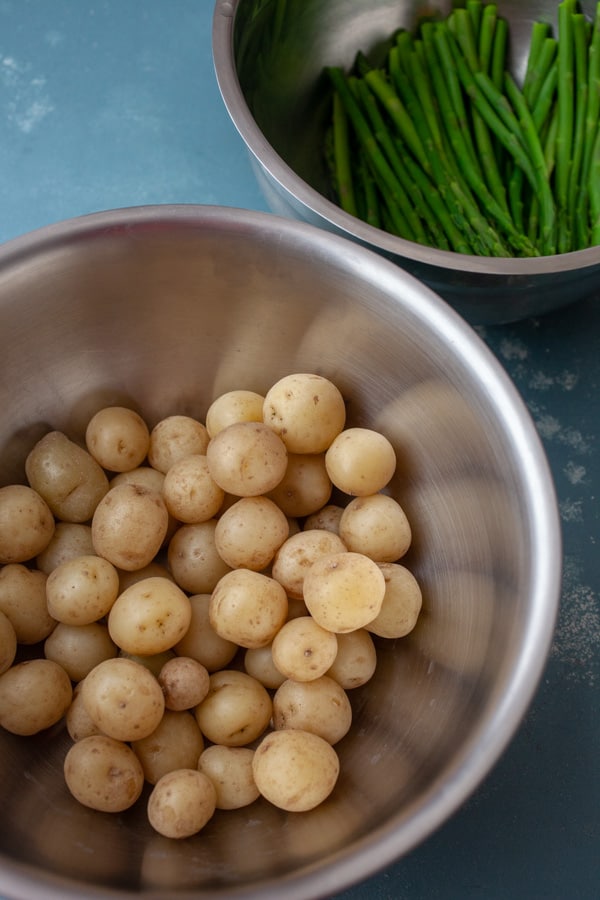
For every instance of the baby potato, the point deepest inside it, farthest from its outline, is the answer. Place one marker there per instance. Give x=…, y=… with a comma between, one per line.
x=144, y=475
x=296, y=555
x=8, y=643
x=190, y=492
x=258, y=662
x=129, y=525
x=82, y=590
x=231, y=407
x=34, y=695
x=230, y=770
x=247, y=459
x=70, y=539
x=103, y=773
x=250, y=532
x=236, y=710
x=123, y=699
x=320, y=706
x=305, y=487
x=175, y=743
x=152, y=570
x=360, y=461
x=184, y=682
x=376, y=526
x=303, y=650
x=327, y=519
x=173, y=438
x=248, y=608
x=402, y=603
x=356, y=659
x=201, y=642
x=77, y=719
x=181, y=803
x=68, y=477
x=193, y=558
x=307, y=410
x=344, y=591
x=79, y=648
x=23, y=601
x=152, y=661
x=26, y=523
x=149, y=617
x=117, y=438
x=295, y=770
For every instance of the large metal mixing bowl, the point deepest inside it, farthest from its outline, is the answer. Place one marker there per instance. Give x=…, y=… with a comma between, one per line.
x=269, y=58
x=162, y=308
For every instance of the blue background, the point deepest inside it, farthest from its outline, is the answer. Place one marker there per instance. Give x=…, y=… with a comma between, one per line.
x=114, y=103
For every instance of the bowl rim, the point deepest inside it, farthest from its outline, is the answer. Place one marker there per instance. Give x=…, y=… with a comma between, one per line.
x=404, y=831
x=268, y=158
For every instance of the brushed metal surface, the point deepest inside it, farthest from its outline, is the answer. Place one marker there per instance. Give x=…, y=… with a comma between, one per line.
x=163, y=308
x=269, y=58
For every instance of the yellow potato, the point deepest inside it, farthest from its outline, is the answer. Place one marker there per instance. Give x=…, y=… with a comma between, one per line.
x=236, y=710
x=150, y=616
x=231, y=407
x=344, y=591
x=82, y=590
x=320, y=706
x=181, y=803
x=103, y=773
x=70, y=539
x=248, y=608
x=184, y=682
x=175, y=743
x=190, y=492
x=123, y=699
x=117, y=438
x=307, y=410
x=193, y=558
x=33, y=696
x=79, y=648
x=258, y=662
x=376, y=526
x=201, y=642
x=303, y=650
x=77, y=719
x=356, y=659
x=68, y=477
x=295, y=770
x=305, y=487
x=247, y=459
x=129, y=525
x=360, y=461
x=295, y=557
x=250, y=532
x=173, y=438
x=8, y=643
x=23, y=600
x=26, y=523
x=327, y=518
x=230, y=770
x=402, y=603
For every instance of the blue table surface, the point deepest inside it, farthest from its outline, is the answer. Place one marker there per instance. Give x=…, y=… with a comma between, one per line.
x=114, y=103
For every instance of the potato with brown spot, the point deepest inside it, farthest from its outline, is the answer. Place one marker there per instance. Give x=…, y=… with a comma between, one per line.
x=295, y=770
x=129, y=525
x=103, y=773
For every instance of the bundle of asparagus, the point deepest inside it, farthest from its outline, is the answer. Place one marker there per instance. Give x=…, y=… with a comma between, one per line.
x=441, y=146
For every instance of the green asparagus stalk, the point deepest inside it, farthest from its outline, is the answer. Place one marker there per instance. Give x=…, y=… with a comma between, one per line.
x=341, y=153
x=564, y=137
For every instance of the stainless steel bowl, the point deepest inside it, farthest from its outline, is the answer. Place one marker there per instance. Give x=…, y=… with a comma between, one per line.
x=162, y=308
x=269, y=58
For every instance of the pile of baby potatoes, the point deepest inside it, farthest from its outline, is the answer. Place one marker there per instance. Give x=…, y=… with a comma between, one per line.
x=194, y=604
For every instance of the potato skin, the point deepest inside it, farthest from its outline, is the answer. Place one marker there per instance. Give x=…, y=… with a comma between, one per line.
x=129, y=526
x=26, y=523
x=68, y=477
x=295, y=770
x=150, y=616
x=181, y=803
x=103, y=773
x=123, y=698
x=34, y=695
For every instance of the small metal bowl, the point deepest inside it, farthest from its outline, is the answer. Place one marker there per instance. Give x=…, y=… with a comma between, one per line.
x=269, y=59
x=163, y=309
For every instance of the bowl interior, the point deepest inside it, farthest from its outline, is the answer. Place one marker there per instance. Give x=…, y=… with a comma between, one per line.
x=163, y=309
